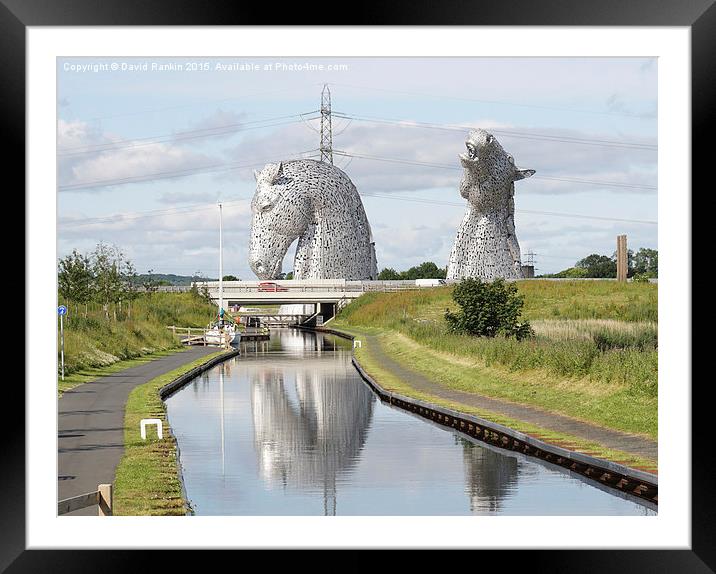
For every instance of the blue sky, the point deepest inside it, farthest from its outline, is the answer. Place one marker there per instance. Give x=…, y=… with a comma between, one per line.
x=193, y=133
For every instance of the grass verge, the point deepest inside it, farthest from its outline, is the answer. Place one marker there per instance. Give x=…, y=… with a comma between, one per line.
x=147, y=478
x=391, y=382
x=95, y=338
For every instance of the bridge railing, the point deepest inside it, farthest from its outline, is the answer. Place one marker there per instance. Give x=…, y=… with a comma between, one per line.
x=295, y=286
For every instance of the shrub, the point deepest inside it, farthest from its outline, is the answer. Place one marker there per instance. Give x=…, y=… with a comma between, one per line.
x=488, y=309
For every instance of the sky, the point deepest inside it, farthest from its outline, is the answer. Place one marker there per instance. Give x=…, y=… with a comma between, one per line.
x=147, y=147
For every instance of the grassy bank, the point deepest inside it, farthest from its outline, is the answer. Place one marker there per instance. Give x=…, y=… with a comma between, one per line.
x=93, y=341
x=147, y=480
x=594, y=356
x=394, y=384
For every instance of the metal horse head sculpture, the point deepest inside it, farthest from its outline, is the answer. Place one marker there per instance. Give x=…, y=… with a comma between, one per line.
x=486, y=243
x=318, y=204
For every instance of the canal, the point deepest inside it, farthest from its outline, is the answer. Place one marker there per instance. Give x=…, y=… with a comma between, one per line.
x=290, y=428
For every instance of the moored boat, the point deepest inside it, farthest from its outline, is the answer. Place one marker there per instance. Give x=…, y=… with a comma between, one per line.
x=221, y=332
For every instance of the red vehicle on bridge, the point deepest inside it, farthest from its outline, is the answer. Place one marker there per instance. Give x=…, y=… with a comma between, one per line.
x=271, y=287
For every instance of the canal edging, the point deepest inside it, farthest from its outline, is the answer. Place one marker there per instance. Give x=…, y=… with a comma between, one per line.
x=148, y=480
x=635, y=482
x=171, y=388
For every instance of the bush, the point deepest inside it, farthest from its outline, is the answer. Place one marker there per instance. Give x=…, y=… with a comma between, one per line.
x=488, y=309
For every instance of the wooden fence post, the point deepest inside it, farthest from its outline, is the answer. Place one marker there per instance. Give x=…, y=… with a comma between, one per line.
x=622, y=258
x=104, y=499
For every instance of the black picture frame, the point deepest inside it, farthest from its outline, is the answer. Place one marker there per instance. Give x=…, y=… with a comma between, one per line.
x=699, y=15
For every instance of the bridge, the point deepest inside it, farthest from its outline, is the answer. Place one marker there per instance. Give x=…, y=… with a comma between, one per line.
x=328, y=295
x=306, y=291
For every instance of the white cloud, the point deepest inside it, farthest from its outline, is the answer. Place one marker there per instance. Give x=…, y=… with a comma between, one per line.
x=180, y=242
x=103, y=162
x=550, y=158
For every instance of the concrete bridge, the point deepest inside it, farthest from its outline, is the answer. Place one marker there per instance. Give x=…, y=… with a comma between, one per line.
x=285, y=292
x=327, y=295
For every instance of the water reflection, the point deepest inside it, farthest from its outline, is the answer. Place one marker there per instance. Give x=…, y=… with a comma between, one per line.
x=489, y=476
x=310, y=423
x=289, y=428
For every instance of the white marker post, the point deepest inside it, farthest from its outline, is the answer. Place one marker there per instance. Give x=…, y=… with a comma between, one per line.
x=62, y=311
x=143, y=427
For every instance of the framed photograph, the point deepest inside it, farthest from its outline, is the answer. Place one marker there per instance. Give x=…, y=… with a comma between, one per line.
x=154, y=135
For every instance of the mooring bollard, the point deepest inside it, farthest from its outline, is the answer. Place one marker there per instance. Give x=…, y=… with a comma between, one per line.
x=143, y=427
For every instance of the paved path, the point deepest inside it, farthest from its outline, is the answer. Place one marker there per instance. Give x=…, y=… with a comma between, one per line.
x=90, y=439
x=612, y=439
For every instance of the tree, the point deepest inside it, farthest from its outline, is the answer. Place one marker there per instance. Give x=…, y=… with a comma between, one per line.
x=598, y=266
x=426, y=270
x=74, y=279
x=150, y=284
x=488, y=309
x=129, y=279
x=388, y=274
x=646, y=262
x=107, y=278
x=230, y=278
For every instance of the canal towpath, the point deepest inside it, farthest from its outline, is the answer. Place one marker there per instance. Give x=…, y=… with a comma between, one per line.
x=609, y=438
x=90, y=437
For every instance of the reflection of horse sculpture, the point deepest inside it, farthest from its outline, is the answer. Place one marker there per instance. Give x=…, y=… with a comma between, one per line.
x=317, y=203
x=490, y=476
x=486, y=243
x=310, y=432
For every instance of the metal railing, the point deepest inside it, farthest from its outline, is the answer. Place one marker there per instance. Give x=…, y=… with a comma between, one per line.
x=301, y=287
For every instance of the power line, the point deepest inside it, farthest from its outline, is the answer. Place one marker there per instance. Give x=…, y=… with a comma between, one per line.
x=119, y=218
x=181, y=106
x=209, y=168
x=530, y=211
x=499, y=102
x=181, y=136
x=458, y=168
x=502, y=132
x=199, y=207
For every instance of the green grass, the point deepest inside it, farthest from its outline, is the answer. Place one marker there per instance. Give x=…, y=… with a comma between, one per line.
x=633, y=302
x=147, y=478
x=95, y=341
x=595, y=333
x=594, y=356
x=392, y=383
